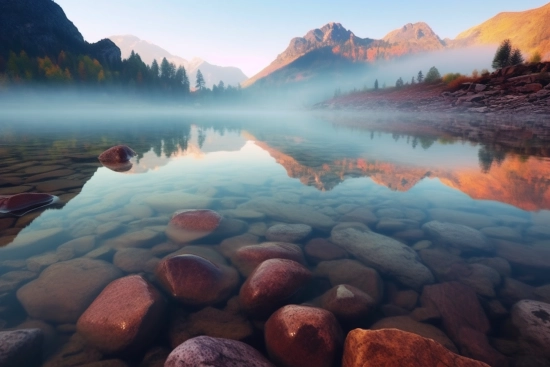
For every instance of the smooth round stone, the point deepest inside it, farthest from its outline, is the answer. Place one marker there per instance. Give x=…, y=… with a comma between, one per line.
x=320, y=249
x=247, y=258
x=205, y=351
x=64, y=290
x=347, y=303
x=126, y=316
x=392, y=347
x=21, y=348
x=457, y=235
x=22, y=203
x=196, y=281
x=302, y=336
x=132, y=260
x=117, y=154
x=271, y=285
x=189, y=225
x=287, y=232
x=532, y=318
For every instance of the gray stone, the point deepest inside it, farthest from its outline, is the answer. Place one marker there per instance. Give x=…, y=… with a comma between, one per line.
x=457, y=235
x=473, y=220
x=172, y=201
x=287, y=232
x=383, y=253
x=532, y=318
x=20, y=348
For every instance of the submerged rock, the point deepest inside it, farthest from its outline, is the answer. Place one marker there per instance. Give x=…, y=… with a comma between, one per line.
x=189, y=225
x=320, y=249
x=347, y=303
x=196, y=281
x=205, y=351
x=532, y=318
x=64, y=290
x=383, y=253
x=126, y=316
x=288, y=232
x=21, y=204
x=247, y=258
x=457, y=235
x=271, y=285
x=302, y=336
x=21, y=348
x=392, y=347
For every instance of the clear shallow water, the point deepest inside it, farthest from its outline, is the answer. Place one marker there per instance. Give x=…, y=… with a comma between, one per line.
x=403, y=173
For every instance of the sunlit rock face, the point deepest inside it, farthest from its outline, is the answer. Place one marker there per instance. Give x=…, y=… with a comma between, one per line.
x=21, y=204
x=189, y=225
x=124, y=317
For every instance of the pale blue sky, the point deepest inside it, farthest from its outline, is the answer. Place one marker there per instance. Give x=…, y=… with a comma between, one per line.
x=250, y=33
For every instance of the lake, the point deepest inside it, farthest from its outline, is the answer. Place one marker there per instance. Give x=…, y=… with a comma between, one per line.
x=437, y=225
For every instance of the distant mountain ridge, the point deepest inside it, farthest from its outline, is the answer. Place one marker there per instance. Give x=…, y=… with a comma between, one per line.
x=40, y=27
x=148, y=52
x=333, y=47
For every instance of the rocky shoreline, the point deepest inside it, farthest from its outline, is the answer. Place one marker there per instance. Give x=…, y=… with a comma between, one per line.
x=520, y=89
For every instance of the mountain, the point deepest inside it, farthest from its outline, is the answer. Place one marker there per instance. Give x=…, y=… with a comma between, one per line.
x=40, y=27
x=337, y=45
x=528, y=30
x=148, y=52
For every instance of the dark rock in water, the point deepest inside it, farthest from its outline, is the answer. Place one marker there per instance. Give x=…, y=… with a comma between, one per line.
x=320, y=249
x=21, y=204
x=117, y=154
x=392, y=347
x=205, y=351
x=196, y=281
x=189, y=225
x=247, y=258
x=21, y=348
x=532, y=318
x=271, y=285
x=302, y=336
x=348, y=303
x=126, y=316
x=119, y=167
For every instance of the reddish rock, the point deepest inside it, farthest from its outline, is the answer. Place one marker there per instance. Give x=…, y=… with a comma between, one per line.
x=117, y=154
x=196, y=281
x=23, y=203
x=205, y=351
x=475, y=345
x=302, y=336
x=189, y=225
x=320, y=249
x=247, y=258
x=271, y=285
x=354, y=273
x=392, y=347
x=126, y=316
x=347, y=303
x=458, y=306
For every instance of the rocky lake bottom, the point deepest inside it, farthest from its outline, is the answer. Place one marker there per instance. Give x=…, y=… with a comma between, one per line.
x=245, y=243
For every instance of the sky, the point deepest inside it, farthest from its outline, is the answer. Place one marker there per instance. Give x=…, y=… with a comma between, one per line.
x=249, y=34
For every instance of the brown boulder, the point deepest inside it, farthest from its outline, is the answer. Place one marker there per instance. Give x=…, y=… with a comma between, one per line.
x=117, y=154
x=347, y=303
x=247, y=258
x=320, y=249
x=126, y=316
x=302, y=336
x=271, y=285
x=396, y=348
x=196, y=281
x=189, y=225
x=20, y=204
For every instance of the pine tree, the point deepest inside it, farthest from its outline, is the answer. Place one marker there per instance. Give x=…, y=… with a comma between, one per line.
x=399, y=83
x=221, y=86
x=200, y=81
x=413, y=81
x=433, y=75
x=420, y=77
x=502, y=55
x=155, y=69
x=376, y=84
x=516, y=58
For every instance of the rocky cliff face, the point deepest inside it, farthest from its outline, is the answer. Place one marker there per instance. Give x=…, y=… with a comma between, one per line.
x=40, y=27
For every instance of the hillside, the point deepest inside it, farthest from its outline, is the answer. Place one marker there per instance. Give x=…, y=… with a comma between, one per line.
x=148, y=52
x=41, y=28
x=527, y=30
x=342, y=43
